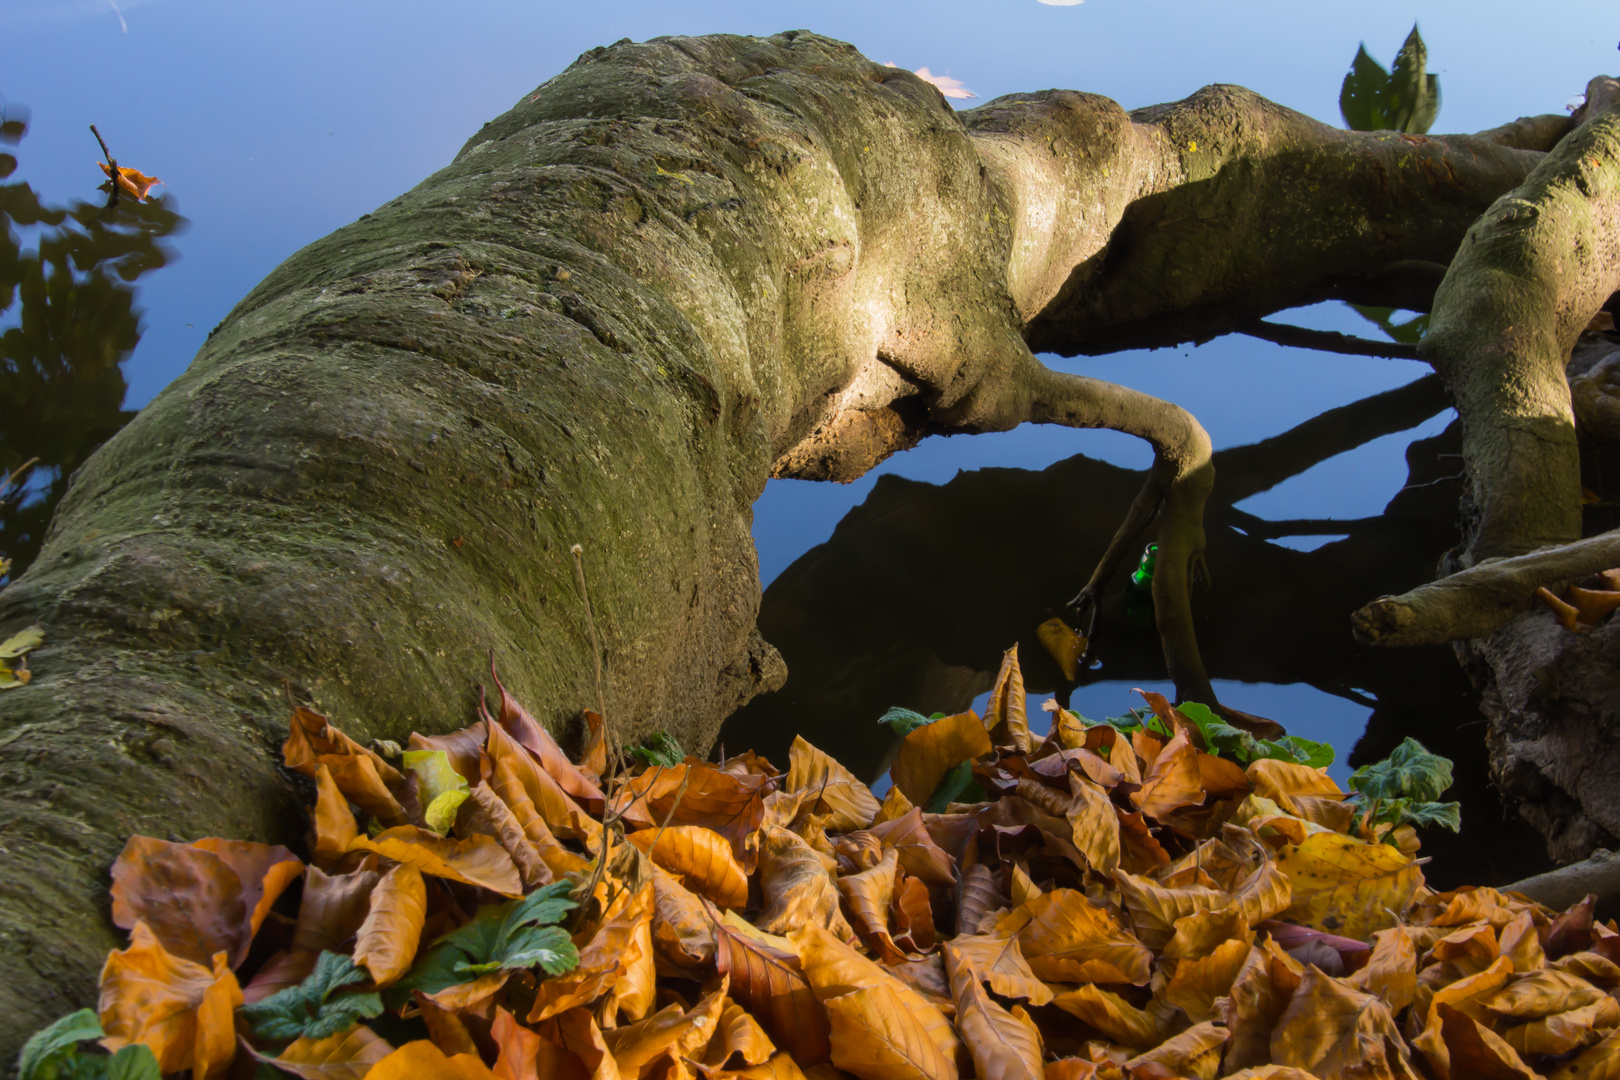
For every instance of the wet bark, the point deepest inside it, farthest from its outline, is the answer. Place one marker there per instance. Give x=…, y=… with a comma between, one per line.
x=676, y=269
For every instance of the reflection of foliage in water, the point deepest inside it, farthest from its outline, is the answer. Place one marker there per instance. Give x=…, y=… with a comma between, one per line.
x=68, y=307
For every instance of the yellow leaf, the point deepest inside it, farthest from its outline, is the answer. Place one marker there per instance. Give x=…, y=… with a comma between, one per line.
x=738, y=1038
x=1391, y=971
x=834, y=969
x=1173, y=780
x=603, y=960
x=1195, y=1052
x=1346, y=886
x=1280, y=781
x=683, y=937
x=1467, y=994
x=1003, y=1047
x=1601, y=1062
x=895, y=805
x=1328, y=1021
x=1064, y=644
x=927, y=753
x=389, y=936
x=23, y=641
x=1094, y=821
x=1155, y=908
x=1564, y=1031
x=673, y=1030
x=868, y=896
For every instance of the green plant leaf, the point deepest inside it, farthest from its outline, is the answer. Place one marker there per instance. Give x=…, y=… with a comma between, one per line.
x=1410, y=772
x=434, y=970
x=512, y=936
x=957, y=785
x=1446, y=815
x=134, y=1062
x=1414, y=95
x=903, y=721
x=1407, y=333
x=660, y=748
x=43, y=1055
x=1361, y=95
x=1308, y=752
x=314, y=1008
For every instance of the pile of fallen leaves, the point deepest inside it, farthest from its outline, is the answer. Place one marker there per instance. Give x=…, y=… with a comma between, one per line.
x=1118, y=903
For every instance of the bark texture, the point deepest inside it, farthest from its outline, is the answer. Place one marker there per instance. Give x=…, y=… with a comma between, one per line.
x=676, y=269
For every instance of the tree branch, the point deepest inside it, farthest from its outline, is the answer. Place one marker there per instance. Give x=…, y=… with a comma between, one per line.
x=1325, y=340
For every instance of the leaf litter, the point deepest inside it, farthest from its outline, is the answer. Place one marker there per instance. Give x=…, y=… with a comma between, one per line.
x=1156, y=896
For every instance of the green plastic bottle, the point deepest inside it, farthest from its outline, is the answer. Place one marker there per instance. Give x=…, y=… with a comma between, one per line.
x=1142, y=576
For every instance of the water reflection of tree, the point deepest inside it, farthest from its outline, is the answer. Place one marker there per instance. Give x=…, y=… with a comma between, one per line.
x=922, y=586
x=67, y=305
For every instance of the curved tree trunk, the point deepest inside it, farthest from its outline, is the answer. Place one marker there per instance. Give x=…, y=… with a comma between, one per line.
x=677, y=269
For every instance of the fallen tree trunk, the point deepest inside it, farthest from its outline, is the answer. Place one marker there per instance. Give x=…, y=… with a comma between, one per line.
x=675, y=270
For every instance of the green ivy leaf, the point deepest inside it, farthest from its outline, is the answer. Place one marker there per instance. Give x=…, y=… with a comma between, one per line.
x=45, y=1053
x=1410, y=772
x=1446, y=815
x=660, y=748
x=314, y=1008
x=903, y=721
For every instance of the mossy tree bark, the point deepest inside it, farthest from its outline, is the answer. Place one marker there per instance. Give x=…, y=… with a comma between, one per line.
x=677, y=269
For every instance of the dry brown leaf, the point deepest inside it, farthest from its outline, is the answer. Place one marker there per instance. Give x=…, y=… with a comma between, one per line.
x=1172, y=781
x=868, y=896
x=1004, y=715
x=421, y=1060
x=895, y=804
x=477, y=860
x=978, y=898
x=796, y=885
x=921, y=857
x=388, y=938
x=927, y=753
x=912, y=916
x=1252, y=1008
x=1562, y=1032
x=534, y=738
x=1467, y=994
x=1391, y=971
x=1003, y=1047
x=517, y=1048
x=463, y=749
x=348, y=1055
x=485, y=812
x=674, y=1031
x=183, y=1011
x=444, y=1024
x=1139, y=851
x=683, y=936
x=875, y=1037
x=517, y=777
x=1155, y=909
x=636, y=990
x=832, y=788
x=1520, y=942
x=1195, y=1053
x=1600, y=1062
x=834, y=969
x=1280, y=781
x=577, y=1032
x=1094, y=819
x=703, y=858
x=1064, y=644
x=201, y=898
x=739, y=1041
x=1112, y=1015
x=1196, y=984
x=361, y=774
x=1476, y=1052
x=333, y=908
x=1543, y=993
x=768, y=982
x=335, y=826
x=1201, y=933
x=1066, y=938
x=997, y=959
x=1330, y=1028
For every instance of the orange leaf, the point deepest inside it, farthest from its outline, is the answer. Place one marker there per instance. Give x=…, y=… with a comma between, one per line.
x=913, y=915
x=576, y=1031
x=797, y=887
x=702, y=857
x=770, y=984
x=636, y=991
x=895, y=804
x=602, y=961
x=518, y=777
x=518, y=1048
x=1571, y=1029
x=1173, y=780
x=683, y=936
x=593, y=758
x=732, y=805
x=868, y=895
x=927, y=753
x=832, y=788
x=463, y=749
x=1064, y=644
x=393, y=927
x=1280, y=781
x=1154, y=908
x=1094, y=819
x=364, y=777
x=1173, y=718
x=677, y=1032
x=997, y=959
x=1467, y=994
x=738, y=1038
x=485, y=812
x=477, y=860
x=348, y=1055
x=335, y=827
x=201, y=898
x=1477, y=1052
x=875, y=1037
x=421, y=1060
x=1005, y=715
x=834, y=969
x=1201, y=933
x=183, y=1011
x=910, y=838
x=1222, y=778
x=132, y=182
x=1065, y=938
x=538, y=741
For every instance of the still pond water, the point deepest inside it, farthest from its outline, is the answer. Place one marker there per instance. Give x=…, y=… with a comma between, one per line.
x=272, y=125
